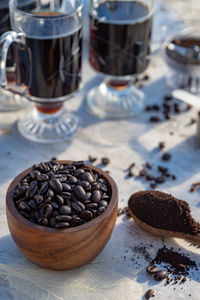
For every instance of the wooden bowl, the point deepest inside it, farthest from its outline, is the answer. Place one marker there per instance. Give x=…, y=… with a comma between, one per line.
x=62, y=249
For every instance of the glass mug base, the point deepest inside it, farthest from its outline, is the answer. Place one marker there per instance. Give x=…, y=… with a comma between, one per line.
x=11, y=102
x=107, y=101
x=49, y=128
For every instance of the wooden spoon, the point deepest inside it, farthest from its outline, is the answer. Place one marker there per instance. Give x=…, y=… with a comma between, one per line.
x=155, y=230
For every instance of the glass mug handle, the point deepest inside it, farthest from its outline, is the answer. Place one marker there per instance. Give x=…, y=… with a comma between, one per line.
x=5, y=41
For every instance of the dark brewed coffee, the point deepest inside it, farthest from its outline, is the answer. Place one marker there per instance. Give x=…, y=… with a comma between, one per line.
x=120, y=33
x=50, y=67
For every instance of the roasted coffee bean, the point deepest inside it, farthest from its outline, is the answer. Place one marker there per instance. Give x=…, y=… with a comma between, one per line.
x=86, y=176
x=149, y=177
x=96, y=186
x=63, y=218
x=65, y=210
x=24, y=214
x=105, y=161
x=56, y=185
x=160, y=179
x=160, y=275
x=92, y=205
x=102, y=180
x=148, y=165
x=37, y=214
x=47, y=210
x=21, y=190
x=34, y=173
x=43, y=167
x=79, y=192
x=161, y=145
x=20, y=200
x=63, y=179
x=55, y=205
x=154, y=119
x=71, y=168
x=42, y=221
x=75, y=220
x=31, y=191
x=88, y=196
x=55, y=213
x=151, y=269
x=66, y=187
x=100, y=210
x=50, y=193
x=166, y=156
x=162, y=169
x=24, y=206
x=103, y=203
x=32, y=204
x=38, y=198
x=84, y=184
x=59, y=200
x=78, y=206
x=42, y=177
x=173, y=177
x=48, y=200
x=44, y=187
x=143, y=172
x=104, y=197
x=92, y=159
x=57, y=176
x=96, y=196
x=66, y=194
x=52, y=221
x=149, y=294
x=78, y=172
x=87, y=215
x=62, y=225
x=79, y=164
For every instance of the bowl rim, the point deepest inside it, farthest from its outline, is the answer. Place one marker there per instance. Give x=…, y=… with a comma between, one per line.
x=13, y=210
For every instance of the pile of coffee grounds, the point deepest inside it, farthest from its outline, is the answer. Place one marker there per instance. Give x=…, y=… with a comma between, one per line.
x=179, y=263
x=176, y=269
x=163, y=211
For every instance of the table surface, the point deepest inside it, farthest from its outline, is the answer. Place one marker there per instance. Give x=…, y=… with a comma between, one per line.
x=119, y=271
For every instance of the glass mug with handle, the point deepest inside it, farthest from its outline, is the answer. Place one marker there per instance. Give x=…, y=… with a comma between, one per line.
x=47, y=53
x=120, y=35
x=8, y=100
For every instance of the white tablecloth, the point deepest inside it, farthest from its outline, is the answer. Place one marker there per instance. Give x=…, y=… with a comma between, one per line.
x=119, y=271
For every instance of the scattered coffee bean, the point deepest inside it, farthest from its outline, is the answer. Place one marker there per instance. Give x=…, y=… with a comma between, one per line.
x=155, y=119
x=105, y=161
x=173, y=177
x=92, y=159
x=168, y=98
x=161, y=145
x=192, y=189
x=143, y=172
x=149, y=177
x=151, y=269
x=149, y=294
x=160, y=275
x=131, y=173
x=148, y=165
x=162, y=169
x=166, y=156
x=160, y=179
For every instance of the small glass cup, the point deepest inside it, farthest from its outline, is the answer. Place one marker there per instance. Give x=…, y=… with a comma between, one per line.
x=47, y=52
x=120, y=35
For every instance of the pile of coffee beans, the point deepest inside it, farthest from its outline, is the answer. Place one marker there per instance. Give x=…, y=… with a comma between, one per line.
x=61, y=196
